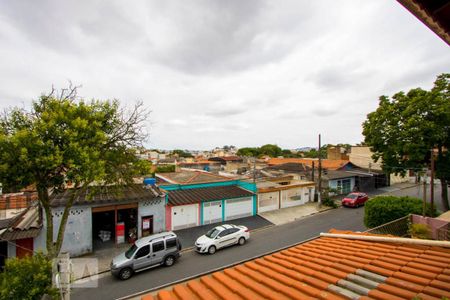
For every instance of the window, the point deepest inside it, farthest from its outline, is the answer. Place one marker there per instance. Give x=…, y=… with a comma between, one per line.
x=129, y=253
x=212, y=233
x=224, y=233
x=171, y=243
x=143, y=251
x=233, y=230
x=158, y=246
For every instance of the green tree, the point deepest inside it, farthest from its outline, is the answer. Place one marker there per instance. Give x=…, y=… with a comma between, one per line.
x=65, y=141
x=181, y=153
x=27, y=278
x=404, y=129
x=248, y=151
x=270, y=150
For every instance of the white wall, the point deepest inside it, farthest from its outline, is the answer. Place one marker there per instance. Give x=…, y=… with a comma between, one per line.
x=155, y=208
x=78, y=233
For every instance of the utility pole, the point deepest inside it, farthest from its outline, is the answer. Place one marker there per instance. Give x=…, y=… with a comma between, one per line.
x=254, y=169
x=432, y=181
x=424, y=194
x=320, y=175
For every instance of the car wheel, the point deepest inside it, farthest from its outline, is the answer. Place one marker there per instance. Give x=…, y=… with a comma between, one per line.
x=241, y=241
x=169, y=261
x=125, y=273
x=212, y=249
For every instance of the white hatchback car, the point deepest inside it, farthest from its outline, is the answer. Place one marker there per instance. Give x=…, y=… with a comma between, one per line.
x=220, y=237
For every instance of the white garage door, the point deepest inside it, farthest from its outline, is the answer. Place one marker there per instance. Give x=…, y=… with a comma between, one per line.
x=238, y=208
x=184, y=216
x=212, y=212
x=268, y=201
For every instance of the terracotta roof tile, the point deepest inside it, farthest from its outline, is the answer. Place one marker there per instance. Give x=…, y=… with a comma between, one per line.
x=330, y=268
x=423, y=296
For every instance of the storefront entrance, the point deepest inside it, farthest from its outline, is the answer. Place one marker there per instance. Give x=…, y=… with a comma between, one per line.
x=147, y=225
x=115, y=224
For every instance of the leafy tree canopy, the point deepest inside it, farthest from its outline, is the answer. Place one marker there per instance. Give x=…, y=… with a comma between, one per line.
x=404, y=129
x=66, y=141
x=268, y=149
x=27, y=278
x=181, y=153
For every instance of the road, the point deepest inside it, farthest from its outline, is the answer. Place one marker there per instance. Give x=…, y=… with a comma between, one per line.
x=261, y=242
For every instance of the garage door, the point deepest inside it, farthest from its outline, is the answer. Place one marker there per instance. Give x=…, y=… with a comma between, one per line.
x=184, y=216
x=268, y=201
x=212, y=212
x=238, y=208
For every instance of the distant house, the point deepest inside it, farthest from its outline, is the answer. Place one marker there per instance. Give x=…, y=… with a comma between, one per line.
x=329, y=164
x=189, y=205
x=225, y=159
x=205, y=165
x=361, y=156
x=185, y=176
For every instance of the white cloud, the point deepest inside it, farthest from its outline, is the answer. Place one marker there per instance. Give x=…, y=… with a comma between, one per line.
x=223, y=72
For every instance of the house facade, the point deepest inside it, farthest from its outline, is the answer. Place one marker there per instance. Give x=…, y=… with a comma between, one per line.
x=190, y=205
x=108, y=218
x=275, y=194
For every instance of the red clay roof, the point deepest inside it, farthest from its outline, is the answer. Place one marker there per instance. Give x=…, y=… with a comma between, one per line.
x=17, y=200
x=328, y=268
x=330, y=164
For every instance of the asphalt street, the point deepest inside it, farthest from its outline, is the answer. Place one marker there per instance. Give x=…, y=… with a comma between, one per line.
x=261, y=242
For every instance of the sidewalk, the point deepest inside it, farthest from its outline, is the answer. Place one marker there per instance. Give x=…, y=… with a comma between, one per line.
x=290, y=214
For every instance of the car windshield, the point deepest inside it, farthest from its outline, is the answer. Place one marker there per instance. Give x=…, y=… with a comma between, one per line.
x=212, y=233
x=129, y=253
x=352, y=196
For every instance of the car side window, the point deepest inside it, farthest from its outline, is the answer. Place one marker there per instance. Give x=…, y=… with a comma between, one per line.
x=224, y=233
x=171, y=243
x=233, y=230
x=158, y=246
x=143, y=251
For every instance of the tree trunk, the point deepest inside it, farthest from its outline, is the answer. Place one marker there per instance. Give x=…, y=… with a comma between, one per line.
x=65, y=217
x=45, y=203
x=444, y=194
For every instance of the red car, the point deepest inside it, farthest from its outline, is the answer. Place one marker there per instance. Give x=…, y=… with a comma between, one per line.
x=355, y=199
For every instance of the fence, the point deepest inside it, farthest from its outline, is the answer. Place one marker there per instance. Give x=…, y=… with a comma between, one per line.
x=397, y=227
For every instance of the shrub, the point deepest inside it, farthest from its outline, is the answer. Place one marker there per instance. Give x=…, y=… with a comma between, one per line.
x=420, y=231
x=383, y=209
x=27, y=278
x=329, y=202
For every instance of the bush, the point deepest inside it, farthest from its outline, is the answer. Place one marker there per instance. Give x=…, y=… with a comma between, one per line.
x=27, y=278
x=329, y=202
x=420, y=231
x=383, y=209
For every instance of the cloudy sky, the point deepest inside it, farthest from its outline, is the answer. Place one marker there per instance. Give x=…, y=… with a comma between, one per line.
x=216, y=73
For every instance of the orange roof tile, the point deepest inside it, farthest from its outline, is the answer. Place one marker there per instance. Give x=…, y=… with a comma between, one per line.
x=329, y=268
x=329, y=164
